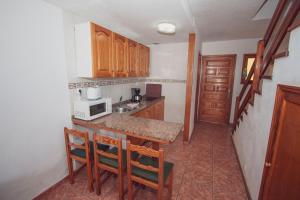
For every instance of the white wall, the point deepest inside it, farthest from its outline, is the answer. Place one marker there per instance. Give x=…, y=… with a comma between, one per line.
x=251, y=138
x=169, y=62
x=34, y=98
x=238, y=47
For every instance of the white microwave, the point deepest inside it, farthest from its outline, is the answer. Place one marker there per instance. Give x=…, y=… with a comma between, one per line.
x=92, y=109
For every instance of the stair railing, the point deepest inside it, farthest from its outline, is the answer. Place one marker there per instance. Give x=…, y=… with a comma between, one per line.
x=285, y=12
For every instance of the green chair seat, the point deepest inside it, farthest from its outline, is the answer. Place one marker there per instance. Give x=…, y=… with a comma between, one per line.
x=149, y=175
x=81, y=152
x=114, y=162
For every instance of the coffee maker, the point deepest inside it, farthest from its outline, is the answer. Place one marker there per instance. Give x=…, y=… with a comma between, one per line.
x=136, y=97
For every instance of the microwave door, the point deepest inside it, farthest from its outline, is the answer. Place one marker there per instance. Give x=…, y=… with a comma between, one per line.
x=97, y=109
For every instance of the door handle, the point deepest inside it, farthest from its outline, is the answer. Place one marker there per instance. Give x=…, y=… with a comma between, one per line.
x=268, y=164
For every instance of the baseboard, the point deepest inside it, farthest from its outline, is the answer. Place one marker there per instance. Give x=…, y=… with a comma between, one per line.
x=42, y=194
x=240, y=166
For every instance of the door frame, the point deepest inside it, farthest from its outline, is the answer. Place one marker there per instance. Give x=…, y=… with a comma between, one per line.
x=282, y=93
x=197, y=100
x=234, y=56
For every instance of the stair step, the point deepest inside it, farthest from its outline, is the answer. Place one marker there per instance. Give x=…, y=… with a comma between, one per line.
x=251, y=101
x=281, y=55
x=267, y=77
x=246, y=112
x=295, y=24
x=258, y=92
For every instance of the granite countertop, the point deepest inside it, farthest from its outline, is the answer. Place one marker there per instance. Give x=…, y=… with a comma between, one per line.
x=153, y=130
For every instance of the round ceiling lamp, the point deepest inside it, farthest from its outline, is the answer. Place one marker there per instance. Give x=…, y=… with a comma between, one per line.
x=166, y=28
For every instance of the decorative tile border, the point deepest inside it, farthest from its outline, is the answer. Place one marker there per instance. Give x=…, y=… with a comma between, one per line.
x=165, y=80
x=106, y=82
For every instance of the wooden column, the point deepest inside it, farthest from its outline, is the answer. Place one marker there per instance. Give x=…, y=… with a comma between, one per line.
x=189, y=84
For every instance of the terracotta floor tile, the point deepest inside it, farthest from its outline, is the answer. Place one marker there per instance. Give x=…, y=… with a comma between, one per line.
x=206, y=168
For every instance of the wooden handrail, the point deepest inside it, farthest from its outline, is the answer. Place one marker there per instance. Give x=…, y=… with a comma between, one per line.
x=294, y=9
x=274, y=20
x=248, y=80
x=236, y=109
x=258, y=65
x=245, y=101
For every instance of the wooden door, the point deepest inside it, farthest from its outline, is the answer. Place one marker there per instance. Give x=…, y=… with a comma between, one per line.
x=120, y=56
x=102, y=51
x=216, y=88
x=281, y=176
x=133, y=58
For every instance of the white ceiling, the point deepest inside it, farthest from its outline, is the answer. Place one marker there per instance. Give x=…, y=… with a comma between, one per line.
x=137, y=19
x=228, y=19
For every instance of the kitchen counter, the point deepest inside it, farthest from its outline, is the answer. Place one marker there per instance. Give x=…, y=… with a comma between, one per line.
x=125, y=123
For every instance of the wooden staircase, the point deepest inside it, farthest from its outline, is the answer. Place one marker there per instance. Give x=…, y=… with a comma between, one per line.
x=274, y=45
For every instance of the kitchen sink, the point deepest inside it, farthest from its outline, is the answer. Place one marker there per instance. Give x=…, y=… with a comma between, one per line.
x=122, y=109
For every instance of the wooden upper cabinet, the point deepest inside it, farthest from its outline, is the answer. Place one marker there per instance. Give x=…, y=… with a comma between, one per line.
x=120, y=55
x=133, y=58
x=144, y=55
x=147, y=63
x=102, y=51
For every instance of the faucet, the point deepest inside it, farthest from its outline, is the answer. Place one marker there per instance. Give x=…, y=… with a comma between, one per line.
x=120, y=101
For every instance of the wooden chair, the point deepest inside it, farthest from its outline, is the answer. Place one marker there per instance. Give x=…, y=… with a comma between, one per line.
x=79, y=152
x=150, y=170
x=112, y=160
x=83, y=153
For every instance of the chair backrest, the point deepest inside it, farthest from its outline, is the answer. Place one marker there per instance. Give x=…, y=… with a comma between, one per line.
x=108, y=141
x=84, y=136
x=142, y=150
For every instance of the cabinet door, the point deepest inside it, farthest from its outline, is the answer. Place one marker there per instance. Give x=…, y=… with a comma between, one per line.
x=147, y=61
x=159, y=110
x=133, y=58
x=155, y=111
x=144, y=54
x=120, y=55
x=102, y=51
x=146, y=113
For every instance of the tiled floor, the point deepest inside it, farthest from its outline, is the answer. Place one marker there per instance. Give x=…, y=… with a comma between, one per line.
x=207, y=168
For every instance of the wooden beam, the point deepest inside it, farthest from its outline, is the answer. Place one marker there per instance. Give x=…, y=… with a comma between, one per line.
x=189, y=84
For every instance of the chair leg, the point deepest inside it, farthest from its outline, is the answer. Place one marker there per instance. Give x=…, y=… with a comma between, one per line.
x=160, y=192
x=98, y=181
x=90, y=176
x=170, y=185
x=121, y=186
x=130, y=189
x=70, y=167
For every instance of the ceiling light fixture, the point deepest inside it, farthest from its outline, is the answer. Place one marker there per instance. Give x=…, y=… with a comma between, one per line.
x=166, y=28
